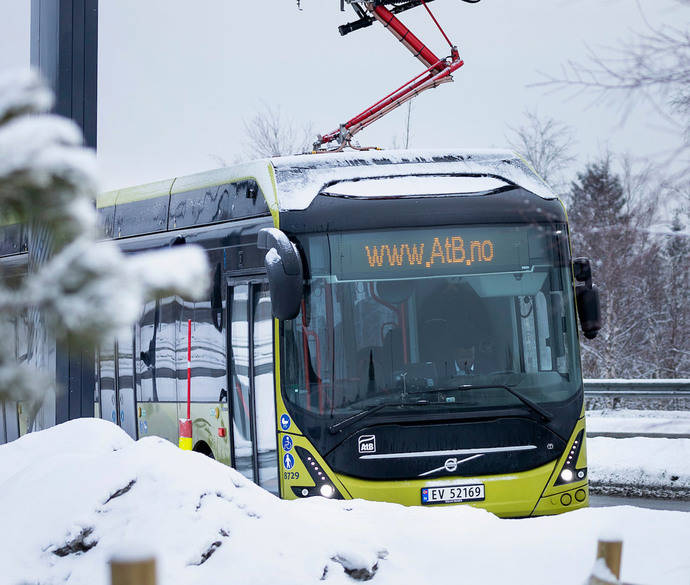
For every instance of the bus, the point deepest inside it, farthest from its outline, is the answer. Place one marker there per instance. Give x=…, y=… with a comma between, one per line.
x=397, y=326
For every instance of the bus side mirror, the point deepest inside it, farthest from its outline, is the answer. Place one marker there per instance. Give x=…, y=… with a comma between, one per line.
x=587, y=298
x=285, y=272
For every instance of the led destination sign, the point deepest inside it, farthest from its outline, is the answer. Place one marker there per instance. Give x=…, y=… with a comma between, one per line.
x=429, y=252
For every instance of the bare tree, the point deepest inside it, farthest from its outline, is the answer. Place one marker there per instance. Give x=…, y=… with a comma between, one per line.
x=642, y=273
x=675, y=359
x=546, y=144
x=270, y=133
x=653, y=66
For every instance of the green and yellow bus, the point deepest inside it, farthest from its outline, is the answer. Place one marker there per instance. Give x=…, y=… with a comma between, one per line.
x=394, y=326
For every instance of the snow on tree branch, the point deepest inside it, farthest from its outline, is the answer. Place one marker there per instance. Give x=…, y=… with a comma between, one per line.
x=87, y=291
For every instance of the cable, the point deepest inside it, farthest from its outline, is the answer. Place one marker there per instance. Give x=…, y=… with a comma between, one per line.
x=445, y=36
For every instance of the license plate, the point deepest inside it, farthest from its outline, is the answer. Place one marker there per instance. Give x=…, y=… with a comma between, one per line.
x=453, y=493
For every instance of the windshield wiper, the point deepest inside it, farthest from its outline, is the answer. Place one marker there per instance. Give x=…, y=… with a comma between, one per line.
x=545, y=414
x=334, y=428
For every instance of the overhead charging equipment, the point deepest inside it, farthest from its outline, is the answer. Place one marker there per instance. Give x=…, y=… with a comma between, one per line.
x=438, y=70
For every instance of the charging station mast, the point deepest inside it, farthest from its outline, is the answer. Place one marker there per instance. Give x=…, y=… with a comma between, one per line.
x=64, y=49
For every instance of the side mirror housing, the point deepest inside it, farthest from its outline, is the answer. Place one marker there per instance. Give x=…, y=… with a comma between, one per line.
x=589, y=310
x=587, y=298
x=285, y=272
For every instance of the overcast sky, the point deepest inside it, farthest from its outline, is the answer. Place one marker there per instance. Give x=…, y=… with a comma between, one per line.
x=177, y=79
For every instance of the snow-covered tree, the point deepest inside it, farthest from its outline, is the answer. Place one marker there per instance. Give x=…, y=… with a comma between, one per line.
x=597, y=197
x=642, y=274
x=48, y=182
x=674, y=361
x=601, y=231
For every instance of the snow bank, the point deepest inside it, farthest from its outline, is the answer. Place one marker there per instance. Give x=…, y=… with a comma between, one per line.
x=638, y=421
x=74, y=495
x=639, y=466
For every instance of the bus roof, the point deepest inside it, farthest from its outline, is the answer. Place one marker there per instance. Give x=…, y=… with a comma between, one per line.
x=293, y=182
x=300, y=178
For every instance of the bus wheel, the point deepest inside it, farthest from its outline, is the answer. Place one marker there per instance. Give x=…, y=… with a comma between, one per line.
x=203, y=448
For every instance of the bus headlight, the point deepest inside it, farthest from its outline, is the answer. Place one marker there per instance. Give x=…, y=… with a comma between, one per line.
x=322, y=486
x=570, y=472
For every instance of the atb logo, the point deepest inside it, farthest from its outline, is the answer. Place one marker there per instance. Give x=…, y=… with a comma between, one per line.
x=367, y=444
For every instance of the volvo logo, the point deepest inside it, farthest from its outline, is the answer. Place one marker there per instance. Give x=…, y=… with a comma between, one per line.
x=451, y=465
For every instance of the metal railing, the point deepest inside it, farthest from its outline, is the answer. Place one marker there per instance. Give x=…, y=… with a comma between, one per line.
x=672, y=394
x=651, y=388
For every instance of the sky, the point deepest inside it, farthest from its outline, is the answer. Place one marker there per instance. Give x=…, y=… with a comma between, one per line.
x=179, y=80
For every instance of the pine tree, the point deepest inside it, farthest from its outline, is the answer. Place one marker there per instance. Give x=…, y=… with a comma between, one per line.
x=597, y=198
x=610, y=226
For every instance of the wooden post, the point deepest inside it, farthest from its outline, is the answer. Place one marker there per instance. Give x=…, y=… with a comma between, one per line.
x=611, y=551
x=141, y=572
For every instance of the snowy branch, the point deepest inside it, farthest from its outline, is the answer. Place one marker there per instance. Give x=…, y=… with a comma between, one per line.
x=86, y=291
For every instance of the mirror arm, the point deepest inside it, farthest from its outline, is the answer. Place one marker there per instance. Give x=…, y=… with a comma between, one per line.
x=582, y=271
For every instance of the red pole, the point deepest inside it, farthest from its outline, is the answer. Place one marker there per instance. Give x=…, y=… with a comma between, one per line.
x=406, y=37
x=189, y=369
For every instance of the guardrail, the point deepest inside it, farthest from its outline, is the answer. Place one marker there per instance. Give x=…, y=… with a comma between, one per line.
x=670, y=387
x=668, y=394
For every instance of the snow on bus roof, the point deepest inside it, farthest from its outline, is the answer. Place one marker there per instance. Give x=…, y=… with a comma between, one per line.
x=410, y=186
x=300, y=178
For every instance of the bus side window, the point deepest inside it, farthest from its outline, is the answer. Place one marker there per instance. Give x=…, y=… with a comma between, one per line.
x=165, y=350
x=106, y=376
x=146, y=352
x=208, y=354
x=126, y=402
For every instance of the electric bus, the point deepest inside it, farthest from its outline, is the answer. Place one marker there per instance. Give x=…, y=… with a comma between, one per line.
x=397, y=326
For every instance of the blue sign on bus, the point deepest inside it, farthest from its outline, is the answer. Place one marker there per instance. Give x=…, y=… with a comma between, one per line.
x=287, y=443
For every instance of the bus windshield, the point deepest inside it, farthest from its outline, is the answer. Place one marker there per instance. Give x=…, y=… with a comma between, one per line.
x=442, y=317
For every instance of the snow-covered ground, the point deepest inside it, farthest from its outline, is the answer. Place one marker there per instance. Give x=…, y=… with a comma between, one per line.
x=638, y=421
x=639, y=466
x=86, y=485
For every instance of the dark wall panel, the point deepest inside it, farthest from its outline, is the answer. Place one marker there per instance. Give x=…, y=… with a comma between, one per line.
x=64, y=48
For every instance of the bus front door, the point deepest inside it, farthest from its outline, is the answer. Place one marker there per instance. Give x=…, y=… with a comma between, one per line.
x=250, y=373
